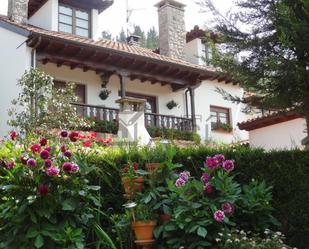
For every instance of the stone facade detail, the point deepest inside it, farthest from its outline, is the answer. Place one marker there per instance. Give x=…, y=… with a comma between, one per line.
x=172, y=31
x=18, y=10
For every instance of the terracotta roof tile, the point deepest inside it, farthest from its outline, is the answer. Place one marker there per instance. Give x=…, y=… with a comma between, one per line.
x=103, y=43
x=269, y=119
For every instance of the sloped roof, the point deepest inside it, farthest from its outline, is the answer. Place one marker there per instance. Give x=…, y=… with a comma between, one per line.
x=117, y=47
x=270, y=119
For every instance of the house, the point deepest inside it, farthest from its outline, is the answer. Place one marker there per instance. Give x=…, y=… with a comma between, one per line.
x=276, y=131
x=60, y=37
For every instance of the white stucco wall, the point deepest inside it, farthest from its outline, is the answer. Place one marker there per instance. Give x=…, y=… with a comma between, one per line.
x=206, y=96
x=195, y=52
x=285, y=135
x=47, y=16
x=13, y=63
x=93, y=86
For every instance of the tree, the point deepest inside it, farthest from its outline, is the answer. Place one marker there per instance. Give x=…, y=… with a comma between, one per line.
x=152, y=41
x=271, y=37
x=107, y=35
x=139, y=32
x=122, y=36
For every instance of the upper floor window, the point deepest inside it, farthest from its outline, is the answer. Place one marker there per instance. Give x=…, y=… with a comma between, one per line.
x=74, y=21
x=220, y=118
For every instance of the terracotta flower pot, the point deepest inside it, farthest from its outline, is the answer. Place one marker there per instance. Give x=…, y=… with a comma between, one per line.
x=144, y=229
x=152, y=166
x=131, y=187
x=165, y=217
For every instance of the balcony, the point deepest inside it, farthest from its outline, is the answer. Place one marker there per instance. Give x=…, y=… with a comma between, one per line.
x=160, y=121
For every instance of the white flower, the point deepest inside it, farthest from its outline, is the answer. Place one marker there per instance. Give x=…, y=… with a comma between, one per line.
x=237, y=240
x=229, y=235
x=220, y=234
x=218, y=240
x=228, y=241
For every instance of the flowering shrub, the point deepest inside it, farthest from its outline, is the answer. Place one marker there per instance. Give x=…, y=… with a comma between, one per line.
x=202, y=206
x=236, y=239
x=46, y=199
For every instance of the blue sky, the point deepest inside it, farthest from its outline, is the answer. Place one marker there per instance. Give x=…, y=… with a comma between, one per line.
x=145, y=14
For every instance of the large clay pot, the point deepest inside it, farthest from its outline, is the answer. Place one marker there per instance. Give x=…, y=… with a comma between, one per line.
x=151, y=167
x=144, y=229
x=165, y=217
x=131, y=187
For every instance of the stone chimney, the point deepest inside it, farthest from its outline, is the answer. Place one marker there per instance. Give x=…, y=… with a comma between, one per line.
x=172, y=30
x=18, y=11
x=134, y=40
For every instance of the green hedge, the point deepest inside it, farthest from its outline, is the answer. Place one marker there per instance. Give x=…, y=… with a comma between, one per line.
x=286, y=171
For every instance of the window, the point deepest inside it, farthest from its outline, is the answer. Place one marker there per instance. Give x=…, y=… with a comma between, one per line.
x=208, y=54
x=80, y=90
x=74, y=21
x=219, y=116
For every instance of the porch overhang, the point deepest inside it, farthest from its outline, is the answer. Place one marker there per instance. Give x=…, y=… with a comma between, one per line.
x=106, y=60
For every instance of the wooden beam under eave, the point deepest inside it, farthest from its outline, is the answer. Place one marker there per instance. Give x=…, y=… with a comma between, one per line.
x=85, y=69
x=73, y=66
x=60, y=63
x=45, y=61
x=110, y=67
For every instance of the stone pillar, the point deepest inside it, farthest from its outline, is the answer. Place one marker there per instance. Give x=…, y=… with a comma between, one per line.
x=132, y=121
x=18, y=11
x=172, y=30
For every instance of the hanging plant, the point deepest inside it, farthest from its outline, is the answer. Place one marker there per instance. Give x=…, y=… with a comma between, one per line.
x=104, y=94
x=170, y=105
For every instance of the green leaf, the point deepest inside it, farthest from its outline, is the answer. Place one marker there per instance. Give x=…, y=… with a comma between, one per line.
x=96, y=188
x=39, y=241
x=201, y=231
x=103, y=236
x=68, y=205
x=32, y=232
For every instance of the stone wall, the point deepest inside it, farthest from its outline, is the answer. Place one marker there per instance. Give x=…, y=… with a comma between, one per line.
x=172, y=30
x=18, y=10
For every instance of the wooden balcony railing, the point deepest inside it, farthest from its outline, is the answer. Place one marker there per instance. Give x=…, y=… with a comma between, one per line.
x=151, y=119
x=168, y=122
x=97, y=112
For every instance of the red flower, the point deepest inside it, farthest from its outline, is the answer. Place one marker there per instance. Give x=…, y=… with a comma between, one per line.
x=48, y=163
x=47, y=149
x=93, y=134
x=73, y=136
x=13, y=135
x=11, y=165
x=24, y=160
x=43, y=189
x=63, y=148
x=208, y=188
x=63, y=134
x=3, y=163
x=44, y=154
x=35, y=148
x=43, y=141
x=87, y=144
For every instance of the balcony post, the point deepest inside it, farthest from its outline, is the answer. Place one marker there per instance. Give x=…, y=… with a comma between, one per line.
x=192, y=98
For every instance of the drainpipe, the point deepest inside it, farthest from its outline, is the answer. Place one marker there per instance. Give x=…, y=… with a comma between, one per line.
x=33, y=52
x=187, y=105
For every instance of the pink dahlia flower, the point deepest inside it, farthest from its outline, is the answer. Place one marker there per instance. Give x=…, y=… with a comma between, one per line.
x=227, y=208
x=67, y=167
x=180, y=182
x=44, y=154
x=219, y=215
x=219, y=159
x=52, y=171
x=211, y=163
x=205, y=178
x=208, y=188
x=11, y=164
x=35, y=148
x=228, y=165
x=43, y=141
x=184, y=175
x=31, y=162
x=73, y=136
x=48, y=163
x=63, y=148
x=13, y=135
x=67, y=154
x=43, y=189
x=64, y=134
x=24, y=160
x=75, y=168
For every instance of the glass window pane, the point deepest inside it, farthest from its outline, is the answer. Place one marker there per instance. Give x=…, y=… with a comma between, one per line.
x=65, y=28
x=223, y=120
x=65, y=19
x=65, y=10
x=82, y=23
x=81, y=14
x=82, y=32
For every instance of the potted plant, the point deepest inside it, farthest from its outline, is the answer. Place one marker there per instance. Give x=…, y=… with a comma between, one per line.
x=132, y=179
x=104, y=94
x=143, y=224
x=171, y=104
x=224, y=127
